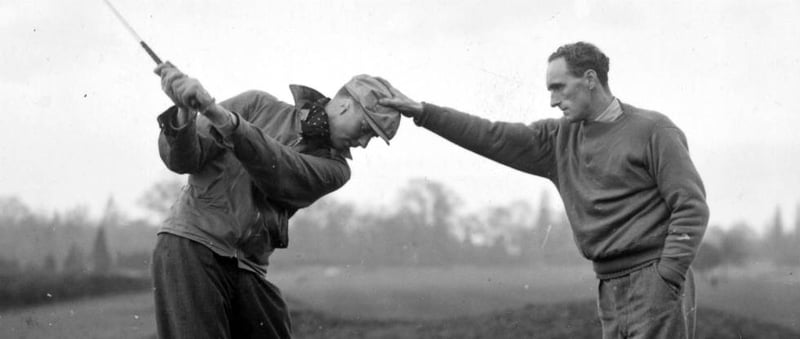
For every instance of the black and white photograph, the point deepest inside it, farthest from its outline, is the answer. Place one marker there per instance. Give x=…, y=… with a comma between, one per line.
x=399, y=169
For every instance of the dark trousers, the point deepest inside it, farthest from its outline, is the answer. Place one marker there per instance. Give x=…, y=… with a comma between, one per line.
x=643, y=305
x=199, y=294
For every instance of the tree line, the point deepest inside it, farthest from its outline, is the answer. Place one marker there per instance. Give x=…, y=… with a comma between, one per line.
x=71, y=242
x=425, y=225
x=740, y=245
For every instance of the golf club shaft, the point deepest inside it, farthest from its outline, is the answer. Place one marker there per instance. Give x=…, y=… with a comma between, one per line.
x=150, y=53
x=133, y=33
x=192, y=102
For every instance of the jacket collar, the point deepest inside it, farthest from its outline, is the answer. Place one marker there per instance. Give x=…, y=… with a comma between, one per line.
x=303, y=95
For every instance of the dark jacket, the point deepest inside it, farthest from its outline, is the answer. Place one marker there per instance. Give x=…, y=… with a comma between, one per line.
x=242, y=189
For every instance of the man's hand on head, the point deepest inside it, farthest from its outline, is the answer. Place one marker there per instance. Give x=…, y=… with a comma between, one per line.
x=405, y=106
x=401, y=103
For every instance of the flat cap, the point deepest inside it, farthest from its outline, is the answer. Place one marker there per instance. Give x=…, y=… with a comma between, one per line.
x=366, y=90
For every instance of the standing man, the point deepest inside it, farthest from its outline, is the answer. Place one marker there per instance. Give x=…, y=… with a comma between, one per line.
x=634, y=199
x=252, y=161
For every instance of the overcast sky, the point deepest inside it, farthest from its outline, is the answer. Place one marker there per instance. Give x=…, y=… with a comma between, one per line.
x=80, y=99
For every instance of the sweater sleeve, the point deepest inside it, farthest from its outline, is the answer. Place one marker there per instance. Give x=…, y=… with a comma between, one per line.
x=528, y=148
x=682, y=190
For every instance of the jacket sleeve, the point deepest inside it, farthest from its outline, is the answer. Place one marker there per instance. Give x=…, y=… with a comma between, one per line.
x=182, y=149
x=528, y=148
x=283, y=174
x=682, y=190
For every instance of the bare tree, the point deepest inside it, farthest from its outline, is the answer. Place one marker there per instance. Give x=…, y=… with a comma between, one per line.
x=160, y=197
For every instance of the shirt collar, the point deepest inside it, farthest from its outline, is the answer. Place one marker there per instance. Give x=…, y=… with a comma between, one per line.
x=306, y=95
x=611, y=113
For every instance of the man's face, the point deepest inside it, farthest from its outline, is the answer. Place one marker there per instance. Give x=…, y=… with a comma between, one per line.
x=347, y=123
x=567, y=92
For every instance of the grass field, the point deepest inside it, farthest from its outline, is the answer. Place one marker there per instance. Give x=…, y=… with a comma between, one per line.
x=430, y=293
x=122, y=316
x=441, y=303
x=768, y=294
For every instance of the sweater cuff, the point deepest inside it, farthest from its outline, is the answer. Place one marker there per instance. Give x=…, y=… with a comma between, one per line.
x=427, y=111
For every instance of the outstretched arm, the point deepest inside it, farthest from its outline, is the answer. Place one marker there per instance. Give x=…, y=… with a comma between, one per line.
x=527, y=148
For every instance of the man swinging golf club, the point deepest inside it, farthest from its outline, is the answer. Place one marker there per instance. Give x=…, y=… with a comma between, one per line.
x=252, y=162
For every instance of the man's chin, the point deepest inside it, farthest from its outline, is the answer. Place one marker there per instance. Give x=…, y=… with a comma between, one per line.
x=339, y=146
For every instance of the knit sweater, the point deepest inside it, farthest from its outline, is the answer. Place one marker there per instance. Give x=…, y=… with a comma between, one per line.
x=631, y=192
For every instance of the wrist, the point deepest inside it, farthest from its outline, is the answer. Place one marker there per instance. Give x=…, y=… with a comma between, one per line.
x=223, y=120
x=181, y=117
x=421, y=116
x=417, y=109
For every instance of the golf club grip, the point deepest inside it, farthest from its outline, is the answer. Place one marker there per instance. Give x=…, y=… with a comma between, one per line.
x=194, y=104
x=193, y=101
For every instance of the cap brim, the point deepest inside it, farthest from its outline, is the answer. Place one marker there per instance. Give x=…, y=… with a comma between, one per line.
x=372, y=123
x=375, y=127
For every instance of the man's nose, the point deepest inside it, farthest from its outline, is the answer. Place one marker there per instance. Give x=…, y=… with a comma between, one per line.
x=364, y=141
x=555, y=99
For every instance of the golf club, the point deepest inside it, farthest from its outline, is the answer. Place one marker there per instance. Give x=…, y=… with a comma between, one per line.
x=133, y=33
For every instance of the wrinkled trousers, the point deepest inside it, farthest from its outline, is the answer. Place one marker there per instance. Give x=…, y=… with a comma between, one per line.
x=199, y=294
x=644, y=305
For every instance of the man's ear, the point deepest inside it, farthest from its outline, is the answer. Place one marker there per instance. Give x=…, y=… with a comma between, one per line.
x=591, y=78
x=346, y=107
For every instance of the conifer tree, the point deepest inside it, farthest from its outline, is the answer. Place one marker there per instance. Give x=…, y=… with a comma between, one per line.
x=74, y=263
x=101, y=257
